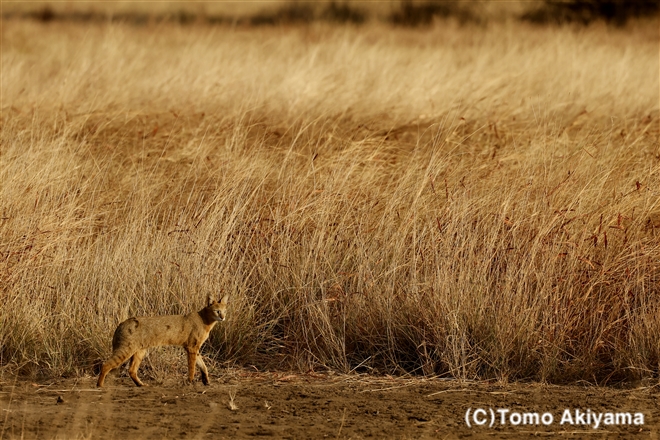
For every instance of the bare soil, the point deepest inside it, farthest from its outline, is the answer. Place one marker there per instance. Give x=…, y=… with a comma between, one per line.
x=279, y=405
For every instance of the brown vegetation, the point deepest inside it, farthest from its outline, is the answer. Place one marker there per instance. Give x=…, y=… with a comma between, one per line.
x=449, y=201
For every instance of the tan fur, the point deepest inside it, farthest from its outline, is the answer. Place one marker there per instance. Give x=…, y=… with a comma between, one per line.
x=134, y=336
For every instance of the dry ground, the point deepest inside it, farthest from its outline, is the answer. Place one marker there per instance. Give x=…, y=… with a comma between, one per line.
x=281, y=405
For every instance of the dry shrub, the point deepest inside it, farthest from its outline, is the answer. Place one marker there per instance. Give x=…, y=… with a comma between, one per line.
x=617, y=12
x=469, y=202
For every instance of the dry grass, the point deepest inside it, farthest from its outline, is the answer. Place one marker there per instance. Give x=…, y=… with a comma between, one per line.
x=472, y=202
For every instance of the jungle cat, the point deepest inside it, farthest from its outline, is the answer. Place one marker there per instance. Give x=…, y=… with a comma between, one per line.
x=135, y=335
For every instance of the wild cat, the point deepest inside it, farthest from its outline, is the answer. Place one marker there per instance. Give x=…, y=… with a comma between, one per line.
x=135, y=335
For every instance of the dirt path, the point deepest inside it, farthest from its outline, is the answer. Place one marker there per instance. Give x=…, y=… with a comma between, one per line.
x=318, y=406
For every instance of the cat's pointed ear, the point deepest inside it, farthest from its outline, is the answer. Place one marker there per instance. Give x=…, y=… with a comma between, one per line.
x=208, y=300
x=224, y=300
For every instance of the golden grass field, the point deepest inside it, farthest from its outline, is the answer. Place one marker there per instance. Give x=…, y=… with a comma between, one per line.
x=477, y=202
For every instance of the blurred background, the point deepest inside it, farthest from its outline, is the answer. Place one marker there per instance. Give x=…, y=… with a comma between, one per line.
x=403, y=13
